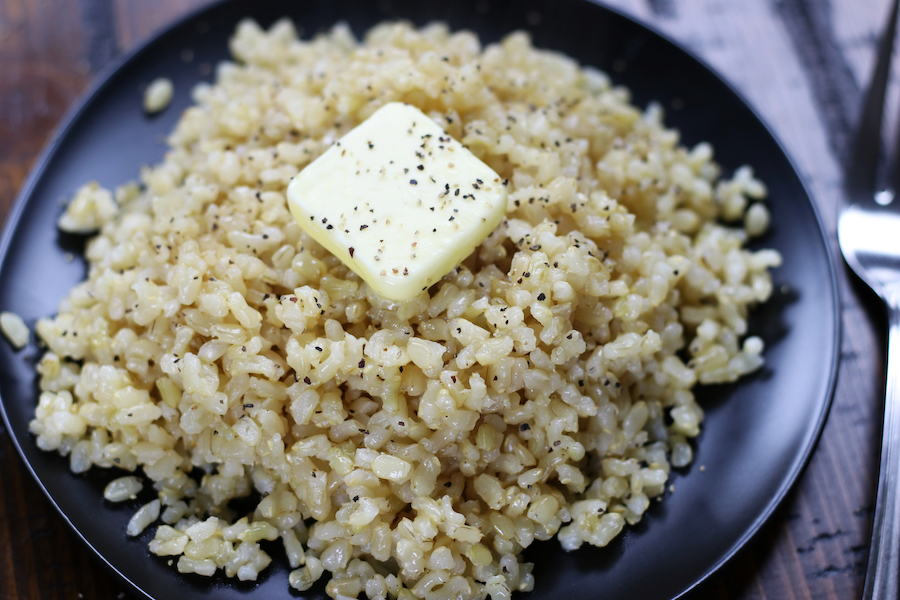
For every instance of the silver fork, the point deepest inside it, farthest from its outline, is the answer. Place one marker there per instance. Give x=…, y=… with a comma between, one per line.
x=869, y=237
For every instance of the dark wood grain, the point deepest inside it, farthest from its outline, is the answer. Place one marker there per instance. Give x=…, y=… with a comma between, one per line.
x=800, y=63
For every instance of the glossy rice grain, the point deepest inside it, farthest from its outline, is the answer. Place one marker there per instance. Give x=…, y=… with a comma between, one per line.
x=414, y=449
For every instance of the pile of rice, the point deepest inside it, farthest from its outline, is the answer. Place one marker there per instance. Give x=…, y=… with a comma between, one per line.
x=410, y=449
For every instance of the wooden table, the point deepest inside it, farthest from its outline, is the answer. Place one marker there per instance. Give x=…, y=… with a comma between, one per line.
x=801, y=64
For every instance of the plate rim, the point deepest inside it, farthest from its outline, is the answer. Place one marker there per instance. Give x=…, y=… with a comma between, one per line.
x=103, y=78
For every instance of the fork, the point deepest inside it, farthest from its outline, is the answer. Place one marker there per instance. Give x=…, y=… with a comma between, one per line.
x=869, y=237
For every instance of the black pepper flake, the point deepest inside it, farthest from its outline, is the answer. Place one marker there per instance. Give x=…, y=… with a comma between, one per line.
x=556, y=443
x=524, y=427
x=453, y=378
x=541, y=297
x=352, y=251
x=581, y=383
x=116, y=358
x=569, y=337
x=361, y=227
x=319, y=348
x=362, y=363
x=413, y=182
x=307, y=380
x=448, y=484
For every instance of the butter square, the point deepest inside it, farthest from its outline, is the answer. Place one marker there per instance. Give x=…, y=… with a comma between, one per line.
x=399, y=201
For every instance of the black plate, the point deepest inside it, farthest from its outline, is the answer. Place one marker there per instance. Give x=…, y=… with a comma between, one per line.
x=757, y=438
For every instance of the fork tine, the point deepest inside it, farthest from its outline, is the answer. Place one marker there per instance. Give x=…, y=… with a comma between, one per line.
x=894, y=164
x=863, y=164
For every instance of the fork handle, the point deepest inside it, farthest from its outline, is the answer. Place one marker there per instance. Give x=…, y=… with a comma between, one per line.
x=883, y=570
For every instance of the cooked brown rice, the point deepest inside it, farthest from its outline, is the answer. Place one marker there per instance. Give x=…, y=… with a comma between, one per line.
x=412, y=449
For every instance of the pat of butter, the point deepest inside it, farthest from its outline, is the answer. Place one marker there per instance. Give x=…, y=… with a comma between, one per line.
x=398, y=201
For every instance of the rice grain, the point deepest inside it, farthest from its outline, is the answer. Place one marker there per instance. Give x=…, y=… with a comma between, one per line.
x=543, y=388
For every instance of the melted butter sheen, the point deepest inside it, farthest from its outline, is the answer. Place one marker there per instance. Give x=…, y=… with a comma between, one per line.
x=398, y=201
